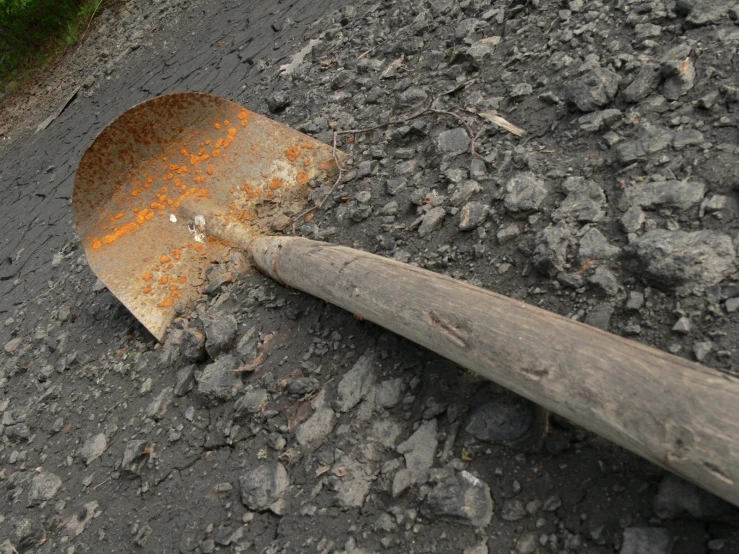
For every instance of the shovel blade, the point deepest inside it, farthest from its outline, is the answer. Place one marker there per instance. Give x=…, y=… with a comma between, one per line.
x=144, y=176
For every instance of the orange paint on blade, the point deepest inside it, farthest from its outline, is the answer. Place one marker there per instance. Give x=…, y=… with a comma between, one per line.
x=302, y=178
x=96, y=244
x=275, y=184
x=164, y=279
x=165, y=259
x=292, y=153
x=166, y=303
x=209, y=171
x=118, y=233
x=176, y=254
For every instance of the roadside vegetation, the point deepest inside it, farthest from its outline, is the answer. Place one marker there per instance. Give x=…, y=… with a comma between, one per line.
x=36, y=33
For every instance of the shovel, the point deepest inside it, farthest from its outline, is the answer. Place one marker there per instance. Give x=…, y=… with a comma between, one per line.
x=179, y=182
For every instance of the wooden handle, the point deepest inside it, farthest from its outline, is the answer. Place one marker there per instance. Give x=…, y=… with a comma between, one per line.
x=680, y=415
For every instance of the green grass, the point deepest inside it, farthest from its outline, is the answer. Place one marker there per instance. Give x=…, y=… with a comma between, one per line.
x=34, y=33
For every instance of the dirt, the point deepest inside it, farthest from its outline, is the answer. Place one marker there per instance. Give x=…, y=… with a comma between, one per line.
x=343, y=437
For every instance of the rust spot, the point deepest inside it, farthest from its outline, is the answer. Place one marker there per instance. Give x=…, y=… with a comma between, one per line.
x=302, y=178
x=96, y=244
x=147, y=276
x=164, y=259
x=275, y=184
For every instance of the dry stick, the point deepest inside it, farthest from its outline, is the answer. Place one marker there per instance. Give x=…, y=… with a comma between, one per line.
x=100, y=5
x=473, y=138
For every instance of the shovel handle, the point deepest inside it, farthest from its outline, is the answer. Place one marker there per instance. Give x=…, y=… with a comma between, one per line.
x=680, y=415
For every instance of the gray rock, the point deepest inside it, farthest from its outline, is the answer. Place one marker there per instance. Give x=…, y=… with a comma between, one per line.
x=27, y=533
x=354, y=484
x=649, y=139
x=634, y=302
x=732, y=305
x=216, y=284
x=550, y=253
x=44, y=487
x=665, y=194
x=392, y=186
x=461, y=497
x=250, y=403
x=595, y=246
x=702, y=349
x=135, y=458
x=278, y=101
x=512, y=510
x=679, y=78
x=633, y=220
x=367, y=168
x=600, y=316
x=312, y=432
x=592, y=90
x=552, y=504
x=505, y=418
x=219, y=381
x=13, y=345
x=527, y=543
x=453, y=141
x=645, y=540
x=647, y=79
x=682, y=326
x=401, y=481
x=472, y=215
x=220, y=331
x=463, y=192
x=584, y=201
x=676, y=498
x=605, y=280
x=20, y=432
x=93, y=448
x=263, y=486
x=358, y=212
x=704, y=12
x=596, y=121
x=484, y=47
x=193, y=345
x=431, y=221
x=524, y=192
x=520, y=91
x=687, y=261
x=419, y=449
x=302, y=385
x=158, y=407
x=248, y=344
x=412, y=97
x=687, y=137
x=185, y=380
x=389, y=392
x=355, y=384
x=343, y=78
x=508, y=232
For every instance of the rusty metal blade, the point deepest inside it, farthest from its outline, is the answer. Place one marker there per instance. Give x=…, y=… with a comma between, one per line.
x=167, y=158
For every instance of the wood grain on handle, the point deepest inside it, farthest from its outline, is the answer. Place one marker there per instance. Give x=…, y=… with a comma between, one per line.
x=680, y=415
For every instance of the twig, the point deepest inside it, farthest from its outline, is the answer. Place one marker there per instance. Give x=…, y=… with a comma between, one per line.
x=100, y=5
x=13, y=547
x=426, y=111
x=100, y=484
